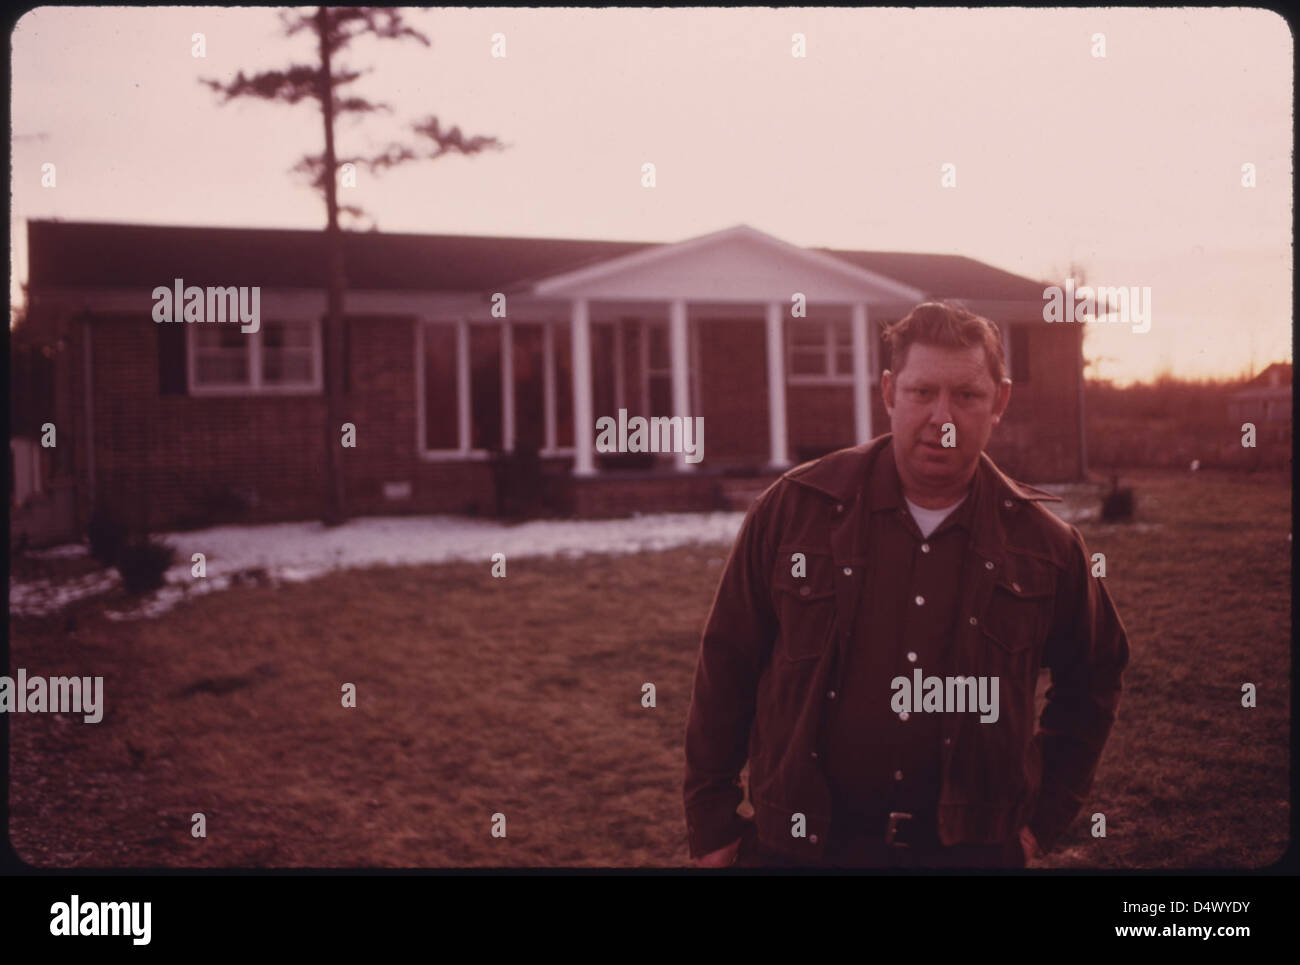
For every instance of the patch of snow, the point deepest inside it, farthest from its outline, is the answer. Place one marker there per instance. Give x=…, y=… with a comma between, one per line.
x=1065, y=489
x=39, y=597
x=1073, y=514
x=67, y=551
x=295, y=552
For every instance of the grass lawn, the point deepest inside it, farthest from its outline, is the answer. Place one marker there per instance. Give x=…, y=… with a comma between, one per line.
x=523, y=696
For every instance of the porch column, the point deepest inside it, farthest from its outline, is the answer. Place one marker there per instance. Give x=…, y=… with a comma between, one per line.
x=861, y=375
x=583, y=428
x=681, y=373
x=777, y=441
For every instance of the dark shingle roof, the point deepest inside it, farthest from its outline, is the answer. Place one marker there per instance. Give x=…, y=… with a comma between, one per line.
x=945, y=276
x=80, y=255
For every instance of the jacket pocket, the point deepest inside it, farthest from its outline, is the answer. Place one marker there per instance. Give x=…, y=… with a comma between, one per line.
x=803, y=597
x=1019, y=612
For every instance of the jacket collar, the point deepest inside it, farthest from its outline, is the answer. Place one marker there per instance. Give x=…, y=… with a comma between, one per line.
x=843, y=474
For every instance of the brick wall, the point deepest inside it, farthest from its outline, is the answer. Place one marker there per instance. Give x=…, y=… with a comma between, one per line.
x=1038, y=438
x=818, y=417
x=733, y=391
x=612, y=496
x=164, y=459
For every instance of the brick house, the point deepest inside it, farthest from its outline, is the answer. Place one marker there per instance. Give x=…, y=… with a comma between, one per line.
x=181, y=424
x=1265, y=399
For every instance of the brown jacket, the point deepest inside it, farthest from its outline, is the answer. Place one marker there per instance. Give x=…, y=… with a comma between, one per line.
x=771, y=654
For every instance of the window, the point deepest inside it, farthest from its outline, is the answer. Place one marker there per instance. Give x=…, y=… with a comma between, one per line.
x=529, y=358
x=281, y=356
x=221, y=357
x=441, y=424
x=657, y=371
x=562, y=346
x=819, y=351
x=604, y=384
x=485, y=386
x=453, y=351
x=288, y=353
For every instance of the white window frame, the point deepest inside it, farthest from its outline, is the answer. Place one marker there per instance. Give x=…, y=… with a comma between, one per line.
x=828, y=374
x=464, y=415
x=644, y=327
x=255, y=385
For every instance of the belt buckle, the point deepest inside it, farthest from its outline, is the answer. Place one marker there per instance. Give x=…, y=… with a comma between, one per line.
x=891, y=830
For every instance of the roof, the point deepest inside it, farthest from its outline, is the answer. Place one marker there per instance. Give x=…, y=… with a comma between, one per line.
x=1273, y=382
x=946, y=276
x=94, y=255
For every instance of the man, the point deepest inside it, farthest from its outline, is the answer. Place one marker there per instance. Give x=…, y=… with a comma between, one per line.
x=854, y=580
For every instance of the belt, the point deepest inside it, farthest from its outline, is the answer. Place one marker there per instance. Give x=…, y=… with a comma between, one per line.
x=895, y=829
x=906, y=839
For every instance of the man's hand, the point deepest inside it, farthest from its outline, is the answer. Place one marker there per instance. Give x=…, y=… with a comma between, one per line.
x=1029, y=844
x=722, y=858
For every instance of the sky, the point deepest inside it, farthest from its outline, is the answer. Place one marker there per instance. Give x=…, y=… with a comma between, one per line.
x=1128, y=166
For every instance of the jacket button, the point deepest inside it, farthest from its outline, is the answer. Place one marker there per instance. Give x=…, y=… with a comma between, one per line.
x=903, y=715
x=973, y=621
x=911, y=656
x=898, y=775
x=814, y=755
x=804, y=591
x=925, y=547
x=947, y=740
x=920, y=600
x=812, y=839
x=830, y=695
x=988, y=564
x=1007, y=503
x=848, y=571
x=839, y=507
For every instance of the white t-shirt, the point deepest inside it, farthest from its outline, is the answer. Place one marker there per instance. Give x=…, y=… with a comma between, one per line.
x=929, y=519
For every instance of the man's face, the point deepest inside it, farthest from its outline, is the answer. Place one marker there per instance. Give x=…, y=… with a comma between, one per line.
x=936, y=386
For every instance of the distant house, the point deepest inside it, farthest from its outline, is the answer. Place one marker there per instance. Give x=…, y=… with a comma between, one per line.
x=1265, y=399
x=179, y=423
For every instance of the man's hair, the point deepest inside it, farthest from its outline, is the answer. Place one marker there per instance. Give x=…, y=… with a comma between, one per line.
x=946, y=326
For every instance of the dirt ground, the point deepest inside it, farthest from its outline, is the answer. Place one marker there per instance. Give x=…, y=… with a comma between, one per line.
x=522, y=697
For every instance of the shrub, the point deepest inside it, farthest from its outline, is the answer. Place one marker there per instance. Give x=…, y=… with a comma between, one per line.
x=518, y=481
x=107, y=534
x=1117, y=505
x=143, y=562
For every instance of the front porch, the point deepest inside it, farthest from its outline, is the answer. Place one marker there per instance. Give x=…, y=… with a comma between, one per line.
x=768, y=344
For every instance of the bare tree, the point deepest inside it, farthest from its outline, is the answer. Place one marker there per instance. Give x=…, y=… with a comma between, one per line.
x=335, y=28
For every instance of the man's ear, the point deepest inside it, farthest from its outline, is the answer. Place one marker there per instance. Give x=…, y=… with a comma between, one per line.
x=1000, y=402
x=887, y=390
